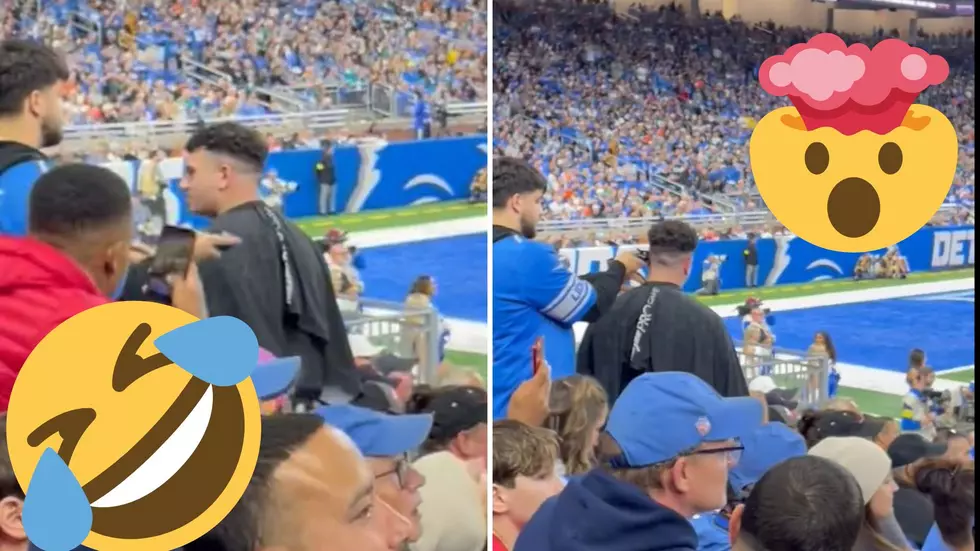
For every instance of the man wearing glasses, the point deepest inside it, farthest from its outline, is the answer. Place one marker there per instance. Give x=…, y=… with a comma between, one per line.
x=765, y=447
x=387, y=442
x=663, y=457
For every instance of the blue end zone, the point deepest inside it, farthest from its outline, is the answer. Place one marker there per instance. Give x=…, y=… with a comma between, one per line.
x=458, y=264
x=881, y=333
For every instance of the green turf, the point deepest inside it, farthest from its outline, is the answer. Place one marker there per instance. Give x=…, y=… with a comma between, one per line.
x=836, y=286
x=879, y=403
x=391, y=218
x=477, y=362
x=875, y=403
x=964, y=376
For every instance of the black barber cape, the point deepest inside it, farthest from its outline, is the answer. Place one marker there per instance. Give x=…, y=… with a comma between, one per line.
x=249, y=283
x=657, y=327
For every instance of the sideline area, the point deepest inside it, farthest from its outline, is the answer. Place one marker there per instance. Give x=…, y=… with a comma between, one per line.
x=874, y=389
x=392, y=218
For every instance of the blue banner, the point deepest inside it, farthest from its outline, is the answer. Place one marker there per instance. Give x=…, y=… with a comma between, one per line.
x=787, y=260
x=371, y=175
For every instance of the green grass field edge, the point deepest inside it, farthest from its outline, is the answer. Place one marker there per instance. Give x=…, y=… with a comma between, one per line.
x=835, y=286
x=382, y=219
x=876, y=402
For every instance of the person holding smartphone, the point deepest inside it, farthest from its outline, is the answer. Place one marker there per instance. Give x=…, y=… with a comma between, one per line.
x=76, y=256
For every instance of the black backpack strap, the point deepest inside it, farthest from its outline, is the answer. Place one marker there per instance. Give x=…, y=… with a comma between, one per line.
x=20, y=156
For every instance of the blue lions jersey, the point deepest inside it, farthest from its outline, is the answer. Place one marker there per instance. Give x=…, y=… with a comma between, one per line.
x=533, y=295
x=16, y=184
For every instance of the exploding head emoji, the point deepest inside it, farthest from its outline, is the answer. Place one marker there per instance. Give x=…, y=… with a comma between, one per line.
x=855, y=165
x=134, y=425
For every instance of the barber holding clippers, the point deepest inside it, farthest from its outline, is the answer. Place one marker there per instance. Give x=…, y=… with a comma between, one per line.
x=534, y=295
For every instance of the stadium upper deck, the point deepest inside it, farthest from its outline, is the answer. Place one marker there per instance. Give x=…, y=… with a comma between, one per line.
x=150, y=60
x=650, y=114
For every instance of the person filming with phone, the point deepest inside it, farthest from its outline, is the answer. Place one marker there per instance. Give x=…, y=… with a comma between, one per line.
x=534, y=295
x=76, y=256
x=657, y=327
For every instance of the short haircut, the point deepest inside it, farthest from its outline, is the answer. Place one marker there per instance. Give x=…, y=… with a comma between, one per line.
x=234, y=140
x=26, y=67
x=952, y=488
x=521, y=450
x=648, y=477
x=242, y=529
x=9, y=487
x=671, y=239
x=512, y=176
x=917, y=357
x=77, y=198
x=804, y=504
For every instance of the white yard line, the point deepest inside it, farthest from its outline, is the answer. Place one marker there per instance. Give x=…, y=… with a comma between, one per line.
x=465, y=335
x=421, y=232
x=856, y=376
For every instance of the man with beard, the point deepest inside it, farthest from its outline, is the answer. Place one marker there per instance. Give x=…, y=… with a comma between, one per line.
x=31, y=76
x=534, y=295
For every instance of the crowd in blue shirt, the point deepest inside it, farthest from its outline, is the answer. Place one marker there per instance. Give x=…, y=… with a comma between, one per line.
x=435, y=48
x=603, y=104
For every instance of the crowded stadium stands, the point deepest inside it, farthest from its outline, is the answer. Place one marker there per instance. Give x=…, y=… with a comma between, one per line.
x=644, y=113
x=184, y=60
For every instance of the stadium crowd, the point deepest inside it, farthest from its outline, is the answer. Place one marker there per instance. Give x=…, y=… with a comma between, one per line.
x=68, y=243
x=606, y=105
x=127, y=57
x=656, y=434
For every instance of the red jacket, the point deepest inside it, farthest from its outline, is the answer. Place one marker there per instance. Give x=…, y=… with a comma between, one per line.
x=40, y=287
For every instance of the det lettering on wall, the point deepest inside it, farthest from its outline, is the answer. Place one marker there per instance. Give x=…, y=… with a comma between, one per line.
x=953, y=249
x=789, y=259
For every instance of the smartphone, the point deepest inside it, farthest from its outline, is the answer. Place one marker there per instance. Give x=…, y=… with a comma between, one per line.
x=537, y=355
x=173, y=257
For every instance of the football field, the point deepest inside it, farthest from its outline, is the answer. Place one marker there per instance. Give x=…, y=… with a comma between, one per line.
x=873, y=324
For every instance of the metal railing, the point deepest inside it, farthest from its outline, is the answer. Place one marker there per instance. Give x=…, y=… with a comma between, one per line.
x=745, y=219
x=644, y=223
x=203, y=73
x=412, y=334
x=389, y=102
x=790, y=369
x=310, y=120
x=155, y=129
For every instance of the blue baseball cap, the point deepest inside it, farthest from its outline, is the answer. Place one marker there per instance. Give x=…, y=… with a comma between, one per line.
x=272, y=376
x=765, y=447
x=659, y=416
x=378, y=434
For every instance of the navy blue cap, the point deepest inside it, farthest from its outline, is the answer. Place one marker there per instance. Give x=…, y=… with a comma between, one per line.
x=765, y=447
x=272, y=377
x=659, y=416
x=378, y=434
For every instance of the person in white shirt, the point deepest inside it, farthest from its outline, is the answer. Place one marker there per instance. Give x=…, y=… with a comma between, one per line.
x=275, y=189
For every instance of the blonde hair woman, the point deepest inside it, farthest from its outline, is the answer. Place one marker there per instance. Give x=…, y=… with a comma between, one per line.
x=579, y=407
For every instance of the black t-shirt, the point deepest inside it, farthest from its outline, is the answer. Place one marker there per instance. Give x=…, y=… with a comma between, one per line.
x=657, y=327
x=914, y=512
